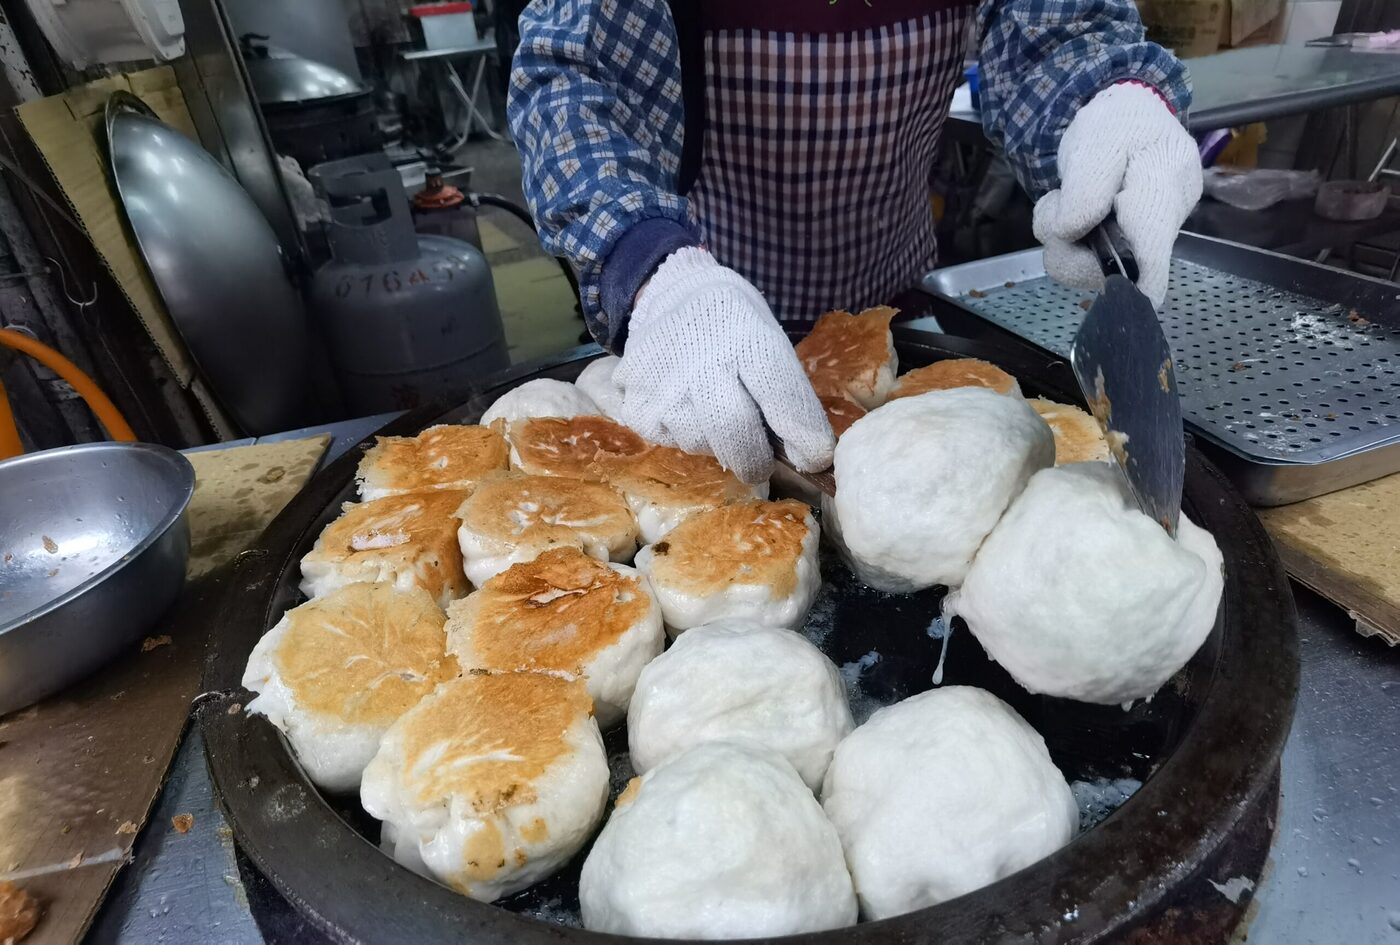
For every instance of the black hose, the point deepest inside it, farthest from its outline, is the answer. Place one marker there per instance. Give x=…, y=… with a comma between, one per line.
x=510, y=206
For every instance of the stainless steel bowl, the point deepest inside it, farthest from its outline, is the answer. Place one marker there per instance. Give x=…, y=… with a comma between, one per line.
x=93, y=545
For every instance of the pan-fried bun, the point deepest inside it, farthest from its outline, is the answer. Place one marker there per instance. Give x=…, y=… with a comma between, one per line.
x=754, y=561
x=851, y=356
x=448, y=456
x=491, y=783
x=579, y=447
x=841, y=412
x=336, y=672
x=567, y=613
x=664, y=486
x=954, y=372
x=510, y=520
x=1078, y=437
x=403, y=540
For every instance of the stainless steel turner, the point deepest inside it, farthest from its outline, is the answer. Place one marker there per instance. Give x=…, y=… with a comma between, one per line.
x=824, y=482
x=1125, y=371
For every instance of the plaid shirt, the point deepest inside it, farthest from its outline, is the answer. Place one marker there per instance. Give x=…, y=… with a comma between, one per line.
x=596, y=111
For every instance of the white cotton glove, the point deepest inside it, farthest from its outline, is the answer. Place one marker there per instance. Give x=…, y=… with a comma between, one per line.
x=1125, y=151
x=706, y=364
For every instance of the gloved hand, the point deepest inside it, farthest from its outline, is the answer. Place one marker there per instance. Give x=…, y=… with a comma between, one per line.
x=1125, y=151
x=706, y=364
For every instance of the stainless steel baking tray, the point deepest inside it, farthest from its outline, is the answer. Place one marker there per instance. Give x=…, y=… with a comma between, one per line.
x=1290, y=370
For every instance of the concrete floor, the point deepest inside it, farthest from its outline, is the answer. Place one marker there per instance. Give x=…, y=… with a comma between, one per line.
x=536, y=302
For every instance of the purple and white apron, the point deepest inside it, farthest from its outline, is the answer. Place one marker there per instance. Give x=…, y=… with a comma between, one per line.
x=821, y=127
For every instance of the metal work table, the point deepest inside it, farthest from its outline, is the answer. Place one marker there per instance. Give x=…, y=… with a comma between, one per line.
x=468, y=93
x=485, y=44
x=1240, y=86
x=1333, y=876
x=1290, y=227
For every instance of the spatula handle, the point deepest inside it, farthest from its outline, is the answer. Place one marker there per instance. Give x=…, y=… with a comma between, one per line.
x=1112, y=248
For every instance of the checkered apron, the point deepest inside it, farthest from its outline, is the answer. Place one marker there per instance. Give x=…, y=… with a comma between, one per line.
x=813, y=181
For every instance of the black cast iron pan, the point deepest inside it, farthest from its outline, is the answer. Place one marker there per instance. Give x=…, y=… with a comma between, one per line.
x=1206, y=746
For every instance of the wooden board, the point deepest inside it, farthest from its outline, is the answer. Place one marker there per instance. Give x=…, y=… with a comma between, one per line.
x=1346, y=546
x=80, y=771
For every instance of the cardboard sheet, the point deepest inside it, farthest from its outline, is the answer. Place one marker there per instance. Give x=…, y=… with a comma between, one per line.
x=243, y=490
x=1346, y=546
x=69, y=132
x=80, y=771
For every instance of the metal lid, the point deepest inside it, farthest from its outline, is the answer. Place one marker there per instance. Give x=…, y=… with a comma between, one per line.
x=218, y=266
x=280, y=77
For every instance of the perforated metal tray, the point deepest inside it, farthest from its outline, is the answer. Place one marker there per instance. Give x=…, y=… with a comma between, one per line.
x=1293, y=369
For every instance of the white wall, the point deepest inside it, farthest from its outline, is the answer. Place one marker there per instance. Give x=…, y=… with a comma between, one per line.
x=1309, y=19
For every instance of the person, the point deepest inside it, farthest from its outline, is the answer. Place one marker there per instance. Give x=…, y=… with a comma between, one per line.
x=713, y=168
x=505, y=26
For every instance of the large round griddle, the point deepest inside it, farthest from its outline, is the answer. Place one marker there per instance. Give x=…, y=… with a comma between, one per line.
x=1206, y=745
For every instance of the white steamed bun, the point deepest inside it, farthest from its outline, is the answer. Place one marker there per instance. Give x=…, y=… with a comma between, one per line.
x=1079, y=594
x=542, y=397
x=596, y=380
x=941, y=794
x=738, y=681
x=922, y=480
x=723, y=841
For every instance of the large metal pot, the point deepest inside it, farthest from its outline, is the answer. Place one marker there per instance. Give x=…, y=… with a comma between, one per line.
x=93, y=545
x=314, y=112
x=1206, y=746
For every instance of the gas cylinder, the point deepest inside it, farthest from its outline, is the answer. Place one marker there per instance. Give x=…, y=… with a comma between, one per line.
x=409, y=318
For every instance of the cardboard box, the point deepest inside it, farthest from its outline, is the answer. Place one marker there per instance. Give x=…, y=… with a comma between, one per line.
x=1253, y=21
x=1200, y=27
x=1187, y=27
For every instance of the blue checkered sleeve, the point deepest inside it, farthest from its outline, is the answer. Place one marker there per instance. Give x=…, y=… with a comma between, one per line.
x=1041, y=60
x=595, y=107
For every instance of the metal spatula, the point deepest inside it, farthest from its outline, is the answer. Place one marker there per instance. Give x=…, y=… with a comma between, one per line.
x=824, y=482
x=1124, y=367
